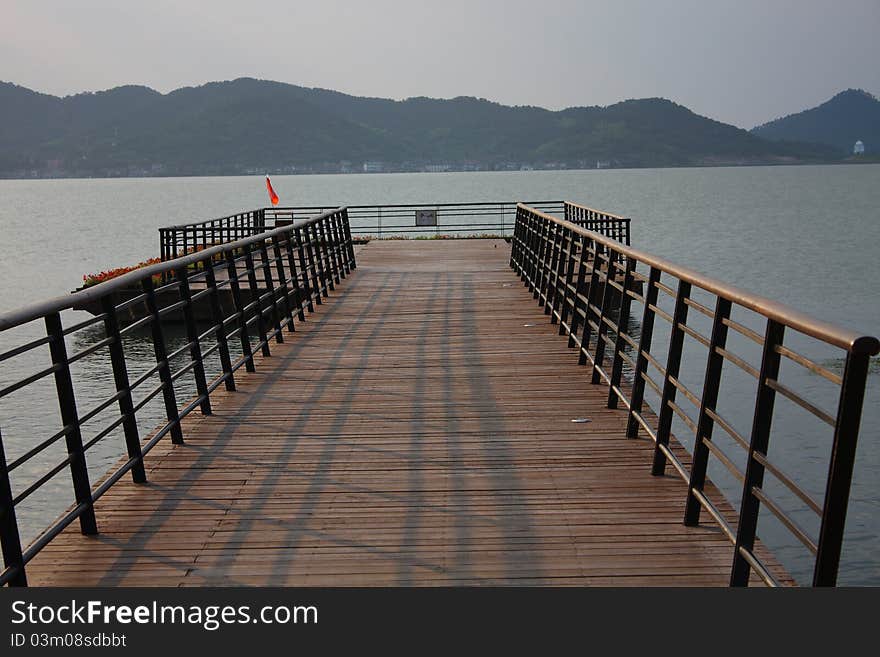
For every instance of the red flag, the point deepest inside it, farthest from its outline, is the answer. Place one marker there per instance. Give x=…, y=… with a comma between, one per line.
x=272, y=195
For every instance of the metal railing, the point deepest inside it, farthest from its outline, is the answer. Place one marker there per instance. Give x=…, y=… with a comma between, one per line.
x=267, y=282
x=587, y=283
x=176, y=241
x=489, y=217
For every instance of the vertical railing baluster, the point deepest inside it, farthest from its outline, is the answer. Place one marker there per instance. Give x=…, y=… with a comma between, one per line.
x=553, y=272
x=622, y=325
x=673, y=365
x=266, y=267
x=162, y=364
x=645, y=339
x=564, y=321
x=759, y=442
x=283, y=278
x=314, y=262
x=243, y=332
x=220, y=332
x=304, y=269
x=601, y=326
x=705, y=423
x=70, y=419
x=346, y=222
x=330, y=248
x=192, y=337
x=578, y=291
x=255, y=299
x=843, y=454
x=592, y=293
x=123, y=387
x=10, y=539
x=294, y=277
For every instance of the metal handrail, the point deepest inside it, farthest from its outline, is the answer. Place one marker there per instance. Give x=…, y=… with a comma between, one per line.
x=780, y=312
x=587, y=283
x=273, y=279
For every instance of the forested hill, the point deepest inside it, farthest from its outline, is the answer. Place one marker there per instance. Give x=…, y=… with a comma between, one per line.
x=248, y=125
x=852, y=115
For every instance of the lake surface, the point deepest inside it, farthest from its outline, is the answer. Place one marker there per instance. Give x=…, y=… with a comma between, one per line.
x=807, y=236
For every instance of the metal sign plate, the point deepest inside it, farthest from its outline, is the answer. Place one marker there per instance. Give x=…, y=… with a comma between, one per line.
x=426, y=217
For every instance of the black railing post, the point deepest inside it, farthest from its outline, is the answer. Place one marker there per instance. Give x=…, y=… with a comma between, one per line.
x=601, y=326
x=163, y=366
x=843, y=454
x=553, y=268
x=339, y=244
x=759, y=441
x=10, y=540
x=294, y=278
x=270, y=288
x=120, y=377
x=591, y=303
x=220, y=328
x=332, y=263
x=255, y=300
x=192, y=337
x=243, y=332
x=569, y=277
x=575, y=321
x=319, y=289
x=622, y=323
x=70, y=419
x=705, y=423
x=346, y=222
x=647, y=333
x=304, y=267
x=673, y=365
x=283, y=278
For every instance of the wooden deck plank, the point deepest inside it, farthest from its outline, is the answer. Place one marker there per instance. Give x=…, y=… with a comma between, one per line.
x=415, y=430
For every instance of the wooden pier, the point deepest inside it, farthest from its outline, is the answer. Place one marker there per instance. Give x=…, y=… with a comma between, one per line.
x=422, y=412
x=411, y=432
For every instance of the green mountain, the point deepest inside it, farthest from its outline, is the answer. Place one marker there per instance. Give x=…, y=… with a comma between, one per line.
x=851, y=115
x=249, y=125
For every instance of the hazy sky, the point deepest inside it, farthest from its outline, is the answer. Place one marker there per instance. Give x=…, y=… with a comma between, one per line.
x=742, y=61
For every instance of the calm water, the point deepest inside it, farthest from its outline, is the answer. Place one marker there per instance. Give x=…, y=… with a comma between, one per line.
x=804, y=235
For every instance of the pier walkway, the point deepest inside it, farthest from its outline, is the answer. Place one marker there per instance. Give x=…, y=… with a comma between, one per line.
x=415, y=430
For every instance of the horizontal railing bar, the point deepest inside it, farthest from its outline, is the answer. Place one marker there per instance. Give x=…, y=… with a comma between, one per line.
x=696, y=305
x=722, y=456
x=106, y=342
x=84, y=324
x=103, y=405
x=728, y=428
x=745, y=331
x=736, y=360
x=128, y=303
x=23, y=495
x=699, y=337
x=784, y=518
x=134, y=326
x=683, y=389
x=49, y=535
x=808, y=364
x=104, y=432
x=33, y=451
x=707, y=504
x=790, y=394
x=777, y=472
x=684, y=416
x=8, y=390
x=25, y=348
